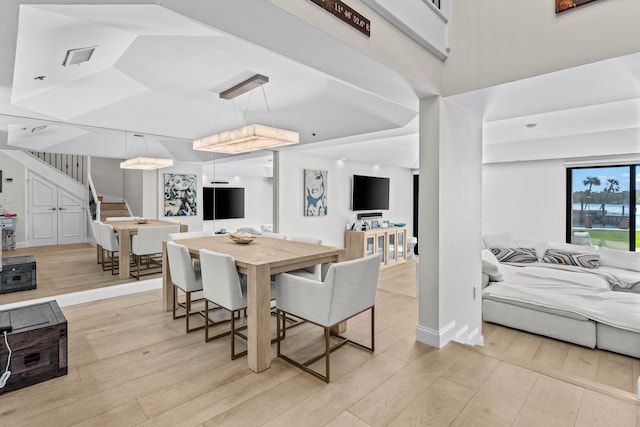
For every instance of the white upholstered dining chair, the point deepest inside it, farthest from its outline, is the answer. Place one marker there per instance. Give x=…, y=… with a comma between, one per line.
x=110, y=246
x=190, y=235
x=274, y=235
x=147, y=242
x=313, y=272
x=348, y=290
x=222, y=286
x=184, y=277
x=96, y=235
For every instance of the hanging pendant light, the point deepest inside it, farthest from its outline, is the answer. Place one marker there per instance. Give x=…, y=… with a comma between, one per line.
x=250, y=137
x=144, y=163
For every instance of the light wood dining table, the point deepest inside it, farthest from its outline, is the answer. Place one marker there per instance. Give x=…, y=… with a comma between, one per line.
x=127, y=228
x=258, y=260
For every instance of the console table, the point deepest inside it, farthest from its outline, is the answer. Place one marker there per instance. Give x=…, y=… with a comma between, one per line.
x=389, y=242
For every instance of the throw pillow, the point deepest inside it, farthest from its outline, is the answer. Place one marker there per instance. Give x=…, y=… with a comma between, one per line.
x=523, y=255
x=619, y=259
x=557, y=256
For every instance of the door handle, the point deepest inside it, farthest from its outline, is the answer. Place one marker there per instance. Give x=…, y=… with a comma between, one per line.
x=53, y=209
x=60, y=209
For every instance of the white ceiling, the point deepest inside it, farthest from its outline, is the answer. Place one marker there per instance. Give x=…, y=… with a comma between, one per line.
x=158, y=73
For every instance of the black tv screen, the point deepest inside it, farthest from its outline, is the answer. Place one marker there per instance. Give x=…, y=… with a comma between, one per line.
x=223, y=203
x=370, y=192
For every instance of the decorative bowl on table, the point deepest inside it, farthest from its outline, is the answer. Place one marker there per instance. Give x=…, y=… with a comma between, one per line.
x=142, y=220
x=241, y=237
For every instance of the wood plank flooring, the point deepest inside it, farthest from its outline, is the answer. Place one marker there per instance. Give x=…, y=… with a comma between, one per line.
x=63, y=269
x=130, y=364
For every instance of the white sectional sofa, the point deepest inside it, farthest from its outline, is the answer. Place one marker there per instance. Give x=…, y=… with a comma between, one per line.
x=581, y=294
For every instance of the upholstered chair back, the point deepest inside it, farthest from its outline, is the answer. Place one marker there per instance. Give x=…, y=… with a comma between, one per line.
x=108, y=238
x=220, y=280
x=190, y=235
x=183, y=275
x=149, y=239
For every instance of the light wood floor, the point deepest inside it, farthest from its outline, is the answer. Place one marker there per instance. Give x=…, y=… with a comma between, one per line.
x=63, y=269
x=131, y=364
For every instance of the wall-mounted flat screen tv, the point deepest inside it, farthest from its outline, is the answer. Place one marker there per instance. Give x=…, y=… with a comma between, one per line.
x=223, y=203
x=370, y=192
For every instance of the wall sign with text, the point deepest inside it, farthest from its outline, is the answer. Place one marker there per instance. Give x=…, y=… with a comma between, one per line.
x=347, y=14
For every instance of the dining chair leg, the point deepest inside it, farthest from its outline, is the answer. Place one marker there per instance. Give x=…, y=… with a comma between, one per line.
x=206, y=320
x=373, y=324
x=175, y=301
x=233, y=335
x=188, y=310
x=327, y=333
x=278, y=332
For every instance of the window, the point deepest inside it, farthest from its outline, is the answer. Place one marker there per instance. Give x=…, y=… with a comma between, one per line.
x=602, y=206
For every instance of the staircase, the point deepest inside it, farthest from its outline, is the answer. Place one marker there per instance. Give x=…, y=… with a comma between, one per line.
x=109, y=209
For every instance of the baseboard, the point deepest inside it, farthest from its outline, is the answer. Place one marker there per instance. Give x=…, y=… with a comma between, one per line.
x=435, y=338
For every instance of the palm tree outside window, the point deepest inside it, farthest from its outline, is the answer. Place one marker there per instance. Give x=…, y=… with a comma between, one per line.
x=602, y=202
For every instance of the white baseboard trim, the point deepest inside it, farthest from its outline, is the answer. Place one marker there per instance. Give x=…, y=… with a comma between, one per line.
x=472, y=338
x=435, y=338
x=92, y=294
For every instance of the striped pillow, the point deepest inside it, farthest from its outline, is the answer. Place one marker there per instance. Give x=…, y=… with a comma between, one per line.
x=557, y=256
x=515, y=254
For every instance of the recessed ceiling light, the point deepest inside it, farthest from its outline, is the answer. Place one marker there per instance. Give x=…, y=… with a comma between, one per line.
x=531, y=125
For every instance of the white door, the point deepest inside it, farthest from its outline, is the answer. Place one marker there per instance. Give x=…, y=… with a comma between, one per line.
x=55, y=216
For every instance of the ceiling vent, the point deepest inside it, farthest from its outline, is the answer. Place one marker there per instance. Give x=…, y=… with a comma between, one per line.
x=78, y=56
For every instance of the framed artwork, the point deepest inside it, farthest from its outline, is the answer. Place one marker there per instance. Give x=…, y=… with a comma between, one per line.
x=375, y=223
x=180, y=191
x=562, y=5
x=315, y=192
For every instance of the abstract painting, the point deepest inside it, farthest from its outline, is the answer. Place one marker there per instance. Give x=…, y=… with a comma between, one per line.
x=180, y=195
x=562, y=5
x=315, y=192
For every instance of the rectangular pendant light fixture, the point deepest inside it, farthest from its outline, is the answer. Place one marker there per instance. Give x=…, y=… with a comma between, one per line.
x=146, y=163
x=247, y=138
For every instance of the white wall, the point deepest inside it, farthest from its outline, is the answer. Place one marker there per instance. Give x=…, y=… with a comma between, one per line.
x=13, y=197
x=107, y=177
x=525, y=198
x=497, y=41
x=331, y=228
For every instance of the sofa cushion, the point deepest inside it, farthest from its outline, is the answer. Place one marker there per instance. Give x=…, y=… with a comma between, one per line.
x=499, y=240
x=491, y=266
x=582, y=249
x=558, y=256
x=619, y=259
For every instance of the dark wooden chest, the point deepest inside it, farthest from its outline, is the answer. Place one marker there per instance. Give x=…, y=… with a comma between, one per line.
x=38, y=342
x=18, y=274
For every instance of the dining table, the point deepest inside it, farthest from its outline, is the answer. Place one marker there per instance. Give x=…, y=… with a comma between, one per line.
x=259, y=260
x=125, y=228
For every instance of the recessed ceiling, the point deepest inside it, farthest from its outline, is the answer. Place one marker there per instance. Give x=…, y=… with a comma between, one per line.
x=159, y=72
